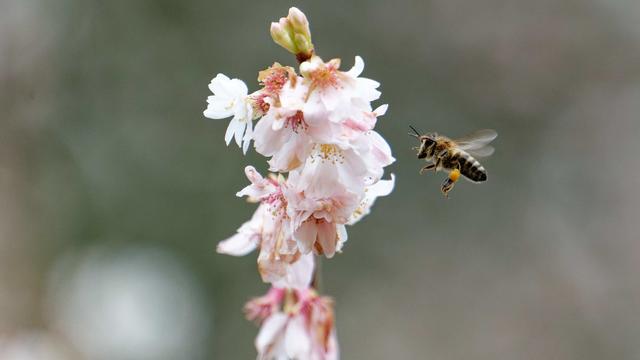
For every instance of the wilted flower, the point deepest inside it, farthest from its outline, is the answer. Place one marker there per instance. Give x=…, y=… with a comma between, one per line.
x=260, y=308
x=304, y=329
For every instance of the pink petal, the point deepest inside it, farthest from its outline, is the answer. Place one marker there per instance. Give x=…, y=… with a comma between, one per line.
x=327, y=238
x=267, y=141
x=305, y=235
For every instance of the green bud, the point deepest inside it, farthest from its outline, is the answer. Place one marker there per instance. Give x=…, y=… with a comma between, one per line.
x=299, y=22
x=281, y=36
x=303, y=44
x=293, y=34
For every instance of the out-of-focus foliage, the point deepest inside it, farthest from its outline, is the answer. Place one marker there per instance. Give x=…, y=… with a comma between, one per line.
x=109, y=172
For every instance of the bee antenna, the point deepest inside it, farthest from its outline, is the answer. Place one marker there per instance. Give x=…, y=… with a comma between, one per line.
x=417, y=135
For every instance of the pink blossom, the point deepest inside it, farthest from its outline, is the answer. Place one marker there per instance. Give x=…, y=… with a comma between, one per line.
x=318, y=207
x=279, y=262
x=353, y=166
x=283, y=133
x=327, y=106
x=344, y=96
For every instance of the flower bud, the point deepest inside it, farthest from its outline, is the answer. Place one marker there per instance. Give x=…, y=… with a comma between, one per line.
x=293, y=34
x=281, y=36
x=304, y=46
x=299, y=22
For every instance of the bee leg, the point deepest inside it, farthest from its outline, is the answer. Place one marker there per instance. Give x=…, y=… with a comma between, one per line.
x=435, y=166
x=449, y=182
x=447, y=185
x=439, y=158
x=428, y=167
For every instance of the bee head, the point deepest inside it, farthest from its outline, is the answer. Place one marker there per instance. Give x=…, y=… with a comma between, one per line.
x=428, y=139
x=426, y=142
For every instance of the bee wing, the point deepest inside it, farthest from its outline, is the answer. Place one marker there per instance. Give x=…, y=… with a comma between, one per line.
x=484, y=151
x=476, y=140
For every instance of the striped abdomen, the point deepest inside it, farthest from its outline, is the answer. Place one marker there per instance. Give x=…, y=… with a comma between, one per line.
x=470, y=167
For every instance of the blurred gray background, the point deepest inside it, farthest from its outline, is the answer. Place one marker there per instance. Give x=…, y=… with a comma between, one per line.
x=114, y=189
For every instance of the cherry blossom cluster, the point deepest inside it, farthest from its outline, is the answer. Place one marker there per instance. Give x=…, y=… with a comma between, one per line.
x=326, y=163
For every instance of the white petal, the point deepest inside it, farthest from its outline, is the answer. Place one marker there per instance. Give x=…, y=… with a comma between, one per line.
x=331, y=98
x=381, y=110
x=238, y=130
x=271, y=329
x=224, y=87
x=299, y=274
x=218, y=86
x=297, y=339
x=218, y=108
x=357, y=68
x=291, y=153
x=266, y=141
x=248, y=236
x=342, y=237
x=238, y=245
x=367, y=89
x=380, y=188
x=381, y=149
x=238, y=87
x=277, y=124
x=231, y=128
x=246, y=140
x=216, y=113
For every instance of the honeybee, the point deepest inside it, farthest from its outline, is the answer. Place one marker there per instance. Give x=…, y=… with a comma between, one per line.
x=455, y=156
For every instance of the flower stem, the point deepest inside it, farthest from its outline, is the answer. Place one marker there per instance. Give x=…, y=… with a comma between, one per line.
x=316, y=282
